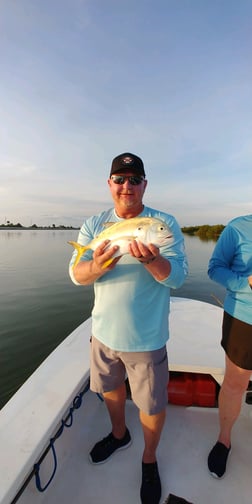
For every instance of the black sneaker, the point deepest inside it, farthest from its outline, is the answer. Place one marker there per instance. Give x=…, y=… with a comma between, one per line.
x=107, y=446
x=151, y=485
x=174, y=499
x=217, y=459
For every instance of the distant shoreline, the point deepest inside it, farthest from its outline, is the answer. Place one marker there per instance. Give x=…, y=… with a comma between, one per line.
x=204, y=232
x=38, y=228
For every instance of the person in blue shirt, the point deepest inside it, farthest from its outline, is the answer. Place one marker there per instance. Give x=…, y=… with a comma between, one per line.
x=231, y=266
x=130, y=318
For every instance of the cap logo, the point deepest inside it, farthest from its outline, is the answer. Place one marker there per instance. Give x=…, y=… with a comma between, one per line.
x=128, y=160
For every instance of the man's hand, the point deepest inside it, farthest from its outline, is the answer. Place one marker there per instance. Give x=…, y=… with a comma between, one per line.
x=86, y=272
x=250, y=281
x=145, y=254
x=102, y=255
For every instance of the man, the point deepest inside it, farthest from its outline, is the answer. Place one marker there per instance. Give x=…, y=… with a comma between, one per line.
x=130, y=319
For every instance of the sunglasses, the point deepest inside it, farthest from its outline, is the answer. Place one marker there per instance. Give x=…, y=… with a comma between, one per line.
x=120, y=179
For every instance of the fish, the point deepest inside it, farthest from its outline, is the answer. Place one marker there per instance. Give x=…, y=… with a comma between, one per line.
x=144, y=229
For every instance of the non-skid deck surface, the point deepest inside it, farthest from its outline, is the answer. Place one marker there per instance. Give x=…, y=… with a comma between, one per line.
x=187, y=437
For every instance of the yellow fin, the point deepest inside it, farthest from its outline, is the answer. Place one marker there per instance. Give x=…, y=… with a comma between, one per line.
x=81, y=249
x=107, y=263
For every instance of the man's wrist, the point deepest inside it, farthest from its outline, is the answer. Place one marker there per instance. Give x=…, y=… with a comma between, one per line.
x=149, y=260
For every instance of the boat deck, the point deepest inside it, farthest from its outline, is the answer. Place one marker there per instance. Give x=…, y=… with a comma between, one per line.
x=187, y=437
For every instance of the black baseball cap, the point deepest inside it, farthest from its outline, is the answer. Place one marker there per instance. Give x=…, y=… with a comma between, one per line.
x=127, y=162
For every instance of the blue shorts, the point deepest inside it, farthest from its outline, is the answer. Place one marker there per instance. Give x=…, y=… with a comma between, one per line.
x=147, y=372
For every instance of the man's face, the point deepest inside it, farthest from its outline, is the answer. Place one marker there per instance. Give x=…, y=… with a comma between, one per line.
x=127, y=194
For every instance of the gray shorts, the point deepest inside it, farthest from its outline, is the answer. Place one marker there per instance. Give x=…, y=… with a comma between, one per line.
x=147, y=373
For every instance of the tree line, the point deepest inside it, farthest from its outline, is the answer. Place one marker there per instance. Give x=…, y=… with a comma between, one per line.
x=205, y=232
x=10, y=225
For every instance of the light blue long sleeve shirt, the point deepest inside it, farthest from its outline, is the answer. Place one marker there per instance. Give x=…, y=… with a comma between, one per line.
x=231, y=265
x=131, y=308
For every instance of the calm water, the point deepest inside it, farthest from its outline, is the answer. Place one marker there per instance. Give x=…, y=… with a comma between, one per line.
x=39, y=305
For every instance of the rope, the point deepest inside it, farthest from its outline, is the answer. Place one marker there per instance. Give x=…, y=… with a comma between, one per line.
x=67, y=422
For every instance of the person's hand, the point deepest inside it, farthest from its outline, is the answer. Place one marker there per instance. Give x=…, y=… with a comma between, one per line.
x=102, y=255
x=87, y=272
x=250, y=281
x=144, y=253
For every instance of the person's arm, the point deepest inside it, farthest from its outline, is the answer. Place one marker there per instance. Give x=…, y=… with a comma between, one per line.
x=220, y=267
x=151, y=259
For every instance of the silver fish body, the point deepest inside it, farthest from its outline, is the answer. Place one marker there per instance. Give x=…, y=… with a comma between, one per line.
x=142, y=229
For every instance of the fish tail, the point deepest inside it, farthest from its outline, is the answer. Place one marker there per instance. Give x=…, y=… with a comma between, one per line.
x=81, y=249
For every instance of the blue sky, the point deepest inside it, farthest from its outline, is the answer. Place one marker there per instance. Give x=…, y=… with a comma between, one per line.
x=84, y=80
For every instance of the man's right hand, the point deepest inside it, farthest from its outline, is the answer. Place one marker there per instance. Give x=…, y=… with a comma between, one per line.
x=86, y=272
x=103, y=254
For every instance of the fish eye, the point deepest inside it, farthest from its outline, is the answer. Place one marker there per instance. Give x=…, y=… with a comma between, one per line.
x=139, y=228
